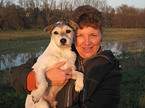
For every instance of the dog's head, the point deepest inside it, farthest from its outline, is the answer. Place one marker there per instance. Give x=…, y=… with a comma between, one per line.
x=62, y=33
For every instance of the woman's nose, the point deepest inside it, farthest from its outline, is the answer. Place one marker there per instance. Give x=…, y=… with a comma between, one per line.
x=87, y=41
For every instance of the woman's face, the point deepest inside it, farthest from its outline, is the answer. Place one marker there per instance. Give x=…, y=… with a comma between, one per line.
x=88, y=41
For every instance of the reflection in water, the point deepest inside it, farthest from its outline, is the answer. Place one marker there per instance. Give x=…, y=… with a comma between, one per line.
x=11, y=60
x=114, y=47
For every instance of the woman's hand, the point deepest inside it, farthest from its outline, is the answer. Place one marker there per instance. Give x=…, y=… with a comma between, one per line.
x=56, y=76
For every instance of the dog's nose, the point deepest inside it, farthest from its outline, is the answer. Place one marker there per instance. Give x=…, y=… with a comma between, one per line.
x=63, y=40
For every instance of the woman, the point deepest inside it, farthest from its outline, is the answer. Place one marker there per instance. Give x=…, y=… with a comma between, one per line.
x=102, y=76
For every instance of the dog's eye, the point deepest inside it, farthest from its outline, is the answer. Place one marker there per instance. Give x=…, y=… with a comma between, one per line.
x=68, y=31
x=56, y=32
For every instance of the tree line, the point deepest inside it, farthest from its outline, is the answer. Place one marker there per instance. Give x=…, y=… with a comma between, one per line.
x=26, y=14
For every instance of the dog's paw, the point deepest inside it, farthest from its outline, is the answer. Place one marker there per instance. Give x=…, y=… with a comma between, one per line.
x=79, y=84
x=35, y=100
x=35, y=97
x=54, y=104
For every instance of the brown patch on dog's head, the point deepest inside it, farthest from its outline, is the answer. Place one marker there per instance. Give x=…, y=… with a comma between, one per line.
x=49, y=28
x=70, y=23
x=73, y=24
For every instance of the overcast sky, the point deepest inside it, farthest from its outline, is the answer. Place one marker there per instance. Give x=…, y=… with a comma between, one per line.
x=116, y=3
x=135, y=3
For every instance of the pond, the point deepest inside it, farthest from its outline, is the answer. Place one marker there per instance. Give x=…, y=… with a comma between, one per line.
x=16, y=59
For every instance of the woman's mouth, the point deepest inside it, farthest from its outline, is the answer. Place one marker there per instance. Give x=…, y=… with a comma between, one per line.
x=87, y=49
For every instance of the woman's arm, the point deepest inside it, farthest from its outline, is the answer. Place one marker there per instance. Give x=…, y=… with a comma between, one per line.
x=20, y=74
x=23, y=78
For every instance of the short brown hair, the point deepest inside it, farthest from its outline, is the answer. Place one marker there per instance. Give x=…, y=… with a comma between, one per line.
x=88, y=16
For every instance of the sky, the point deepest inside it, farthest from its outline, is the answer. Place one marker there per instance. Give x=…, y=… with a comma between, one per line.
x=134, y=3
x=116, y=3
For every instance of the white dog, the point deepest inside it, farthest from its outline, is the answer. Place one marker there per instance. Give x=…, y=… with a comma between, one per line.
x=58, y=50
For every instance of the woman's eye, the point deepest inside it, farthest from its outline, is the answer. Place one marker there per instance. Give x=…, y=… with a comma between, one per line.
x=79, y=35
x=94, y=35
x=68, y=31
x=56, y=32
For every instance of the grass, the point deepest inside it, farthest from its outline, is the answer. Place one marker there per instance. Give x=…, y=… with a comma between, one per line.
x=10, y=98
x=132, y=89
x=133, y=67
x=122, y=35
x=13, y=34
x=21, y=40
x=133, y=80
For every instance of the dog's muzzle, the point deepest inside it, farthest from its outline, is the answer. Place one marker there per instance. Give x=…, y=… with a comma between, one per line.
x=63, y=41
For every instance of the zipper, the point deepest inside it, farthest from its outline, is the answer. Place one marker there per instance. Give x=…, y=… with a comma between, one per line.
x=69, y=94
x=84, y=90
x=82, y=62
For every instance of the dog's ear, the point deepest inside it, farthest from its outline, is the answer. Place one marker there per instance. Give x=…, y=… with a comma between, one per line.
x=73, y=24
x=49, y=28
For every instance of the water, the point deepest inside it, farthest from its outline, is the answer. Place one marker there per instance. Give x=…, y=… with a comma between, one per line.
x=11, y=60
x=16, y=59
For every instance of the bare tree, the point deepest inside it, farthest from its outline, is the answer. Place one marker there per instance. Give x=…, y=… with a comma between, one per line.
x=141, y=20
x=109, y=15
x=10, y=18
x=21, y=3
x=128, y=16
x=2, y=3
x=65, y=6
x=48, y=7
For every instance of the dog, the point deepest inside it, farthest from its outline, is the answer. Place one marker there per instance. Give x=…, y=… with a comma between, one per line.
x=58, y=50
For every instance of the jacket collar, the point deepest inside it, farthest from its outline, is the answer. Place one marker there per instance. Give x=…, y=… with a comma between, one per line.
x=80, y=58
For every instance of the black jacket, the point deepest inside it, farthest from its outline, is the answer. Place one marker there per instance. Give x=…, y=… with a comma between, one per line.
x=102, y=83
